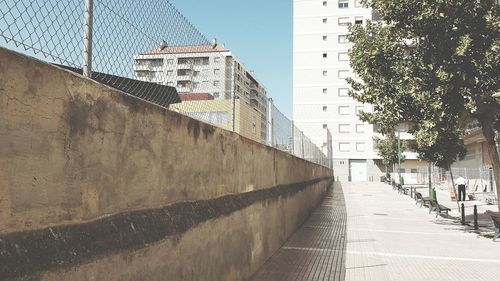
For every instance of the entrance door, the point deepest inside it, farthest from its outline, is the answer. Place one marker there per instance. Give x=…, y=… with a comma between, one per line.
x=358, y=170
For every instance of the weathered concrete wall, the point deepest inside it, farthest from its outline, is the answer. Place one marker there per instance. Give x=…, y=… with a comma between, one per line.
x=157, y=195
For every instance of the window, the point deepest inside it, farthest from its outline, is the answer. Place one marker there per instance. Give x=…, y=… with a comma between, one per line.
x=343, y=56
x=156, y=62
x=183, y=72
x=344, y=128
x=343, y=21
x=325, y=90
x=413, y=171
x=343, y=74
x=358, y=20
x=360, y=146
x=325, y=3
x=325, y=126
x=170, y=61
x=325, y=20
x=343, y=4
x=216, y=95
x=216, y=83
x=402, y=170
x=325, y=55
x=325, y=38
x=216, y=59
x=170, y=72
x=343, y=146
x=183, y=83
x=343, y=92
x=325, y=108
x=360, y=128
x=216, y=71
x=344, y=110
x=343, y=39
x=325, y=73
x=196, y=73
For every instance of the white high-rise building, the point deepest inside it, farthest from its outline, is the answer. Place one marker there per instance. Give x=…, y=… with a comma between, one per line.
x=320, y=99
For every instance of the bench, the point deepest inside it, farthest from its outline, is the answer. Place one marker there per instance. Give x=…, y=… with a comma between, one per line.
x=495, y=217
x=403, y=190
x=435, y=206
x=422, y=200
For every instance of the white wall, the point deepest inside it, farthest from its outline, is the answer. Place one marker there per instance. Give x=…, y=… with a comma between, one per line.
x=309, y=80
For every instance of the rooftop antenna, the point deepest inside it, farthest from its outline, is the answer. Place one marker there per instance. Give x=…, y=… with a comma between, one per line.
x=214, y=43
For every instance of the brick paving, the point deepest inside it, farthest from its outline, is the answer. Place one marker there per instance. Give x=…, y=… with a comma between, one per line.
x=387, y=237
x=317, y=250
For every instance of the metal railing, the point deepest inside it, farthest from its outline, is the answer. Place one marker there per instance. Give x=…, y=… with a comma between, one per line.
x=148, y=49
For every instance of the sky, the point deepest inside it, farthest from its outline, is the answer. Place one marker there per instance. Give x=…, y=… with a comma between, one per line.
x=258, y=32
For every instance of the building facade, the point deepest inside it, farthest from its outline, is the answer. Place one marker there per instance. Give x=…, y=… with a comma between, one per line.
x=320, y=91
x=205, y=69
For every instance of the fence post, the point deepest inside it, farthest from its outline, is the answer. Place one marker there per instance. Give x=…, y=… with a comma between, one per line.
x=476, y=226
x=233, y=110
x=270, y=122
x=463, y=214
x=89, y=21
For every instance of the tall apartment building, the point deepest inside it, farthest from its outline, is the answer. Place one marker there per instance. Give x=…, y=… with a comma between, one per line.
x=320, y=99
x=205, y=69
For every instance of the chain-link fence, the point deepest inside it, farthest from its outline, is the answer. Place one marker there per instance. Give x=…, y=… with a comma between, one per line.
x=148, y=49
x=480, y=181
x=284, y=135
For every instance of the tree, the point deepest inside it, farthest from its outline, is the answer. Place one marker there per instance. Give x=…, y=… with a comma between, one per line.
x=388, y=150
x=434, y=63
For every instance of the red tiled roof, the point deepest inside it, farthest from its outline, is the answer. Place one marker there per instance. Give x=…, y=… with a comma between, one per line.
x=187, y=49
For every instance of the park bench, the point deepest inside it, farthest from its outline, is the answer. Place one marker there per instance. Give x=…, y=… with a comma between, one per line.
x=402, y=189
x=422, y=200
x=495, y=217
x=435, y=206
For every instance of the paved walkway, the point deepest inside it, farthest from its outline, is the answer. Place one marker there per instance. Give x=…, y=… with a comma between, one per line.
x=387, y=237
x=317, y=250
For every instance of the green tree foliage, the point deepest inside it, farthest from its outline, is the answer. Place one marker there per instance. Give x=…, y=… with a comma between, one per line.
x=435, y=63
x=388, y=150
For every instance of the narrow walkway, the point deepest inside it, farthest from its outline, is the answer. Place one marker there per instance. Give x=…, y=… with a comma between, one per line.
x=317, y=250
x=383, y=236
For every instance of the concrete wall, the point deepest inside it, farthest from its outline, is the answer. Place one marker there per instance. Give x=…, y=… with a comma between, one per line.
x=157, y=195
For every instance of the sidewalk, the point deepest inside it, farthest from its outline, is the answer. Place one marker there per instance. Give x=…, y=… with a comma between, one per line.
x=317, y=250
x=388, y=238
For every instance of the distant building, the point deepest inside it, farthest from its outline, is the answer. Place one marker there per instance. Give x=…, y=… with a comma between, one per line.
x=476, y=167
x=205, y=69
x=247, y=121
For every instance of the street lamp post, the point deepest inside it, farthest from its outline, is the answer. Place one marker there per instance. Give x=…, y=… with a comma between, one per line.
x=399, y=156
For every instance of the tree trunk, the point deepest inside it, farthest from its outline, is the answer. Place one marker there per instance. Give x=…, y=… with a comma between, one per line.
x=453, y=186
x=489, y=135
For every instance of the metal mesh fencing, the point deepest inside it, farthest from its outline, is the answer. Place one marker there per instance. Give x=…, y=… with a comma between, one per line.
x=148, y=49
x=480, y=181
